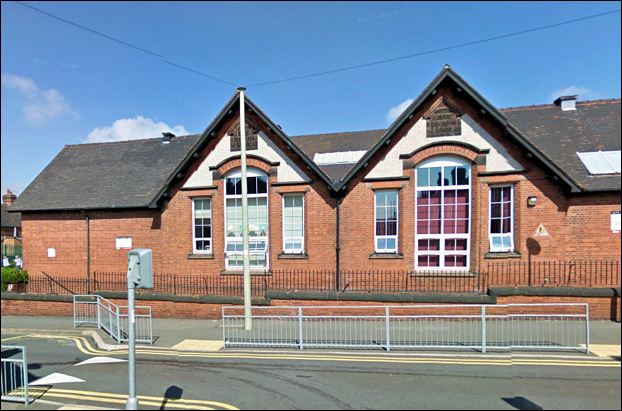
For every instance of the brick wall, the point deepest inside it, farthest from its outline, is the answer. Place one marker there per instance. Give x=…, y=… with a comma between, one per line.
x=602, y=308
x=578, y=225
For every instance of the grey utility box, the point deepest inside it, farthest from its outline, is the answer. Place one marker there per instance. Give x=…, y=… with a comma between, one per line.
x=139, y=270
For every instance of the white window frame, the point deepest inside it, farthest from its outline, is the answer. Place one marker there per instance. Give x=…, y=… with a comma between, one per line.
x=301, y=239
x=250, y=172
x=194, y=238
x=444, y=161
x=501, y=235
x=397, y=222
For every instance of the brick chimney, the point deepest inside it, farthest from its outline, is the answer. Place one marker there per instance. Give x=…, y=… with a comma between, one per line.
x=8, y=198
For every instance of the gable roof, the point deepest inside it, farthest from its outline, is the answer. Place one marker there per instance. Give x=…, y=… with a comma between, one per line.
x=129, y=174
x=10, y=219
x=448, y=74
x=138, y=173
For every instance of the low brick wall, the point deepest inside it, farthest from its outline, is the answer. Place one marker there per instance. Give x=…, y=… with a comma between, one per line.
x=606, y=307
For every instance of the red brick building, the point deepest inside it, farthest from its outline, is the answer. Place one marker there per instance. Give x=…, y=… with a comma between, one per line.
x=452, y=186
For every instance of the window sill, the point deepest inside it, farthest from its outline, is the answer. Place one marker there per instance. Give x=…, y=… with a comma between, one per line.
x=431, y=273
x=192, y=256
x=386, y=256
x=257, y=272
x=491, y=255
x=292, y=256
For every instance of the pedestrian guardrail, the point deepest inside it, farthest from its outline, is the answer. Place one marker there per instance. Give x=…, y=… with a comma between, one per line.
x=96, y=311
x=450, y=327
x=14, y=374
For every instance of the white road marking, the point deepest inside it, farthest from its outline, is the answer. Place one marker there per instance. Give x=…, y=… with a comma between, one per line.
x=56, y=378
x=100, y=360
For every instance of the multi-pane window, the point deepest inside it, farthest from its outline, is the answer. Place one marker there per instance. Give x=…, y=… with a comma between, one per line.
x=443, y=214
x=293, y=223
x=501, y=218
x=257, y=184
x=202, y=225
x=386, y=221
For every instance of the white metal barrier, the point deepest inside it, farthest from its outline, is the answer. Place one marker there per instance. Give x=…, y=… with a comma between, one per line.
x=451, y=327
x=14, y=374
x=96, y=311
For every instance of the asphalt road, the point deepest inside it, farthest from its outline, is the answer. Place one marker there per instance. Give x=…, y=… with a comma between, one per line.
x=320, y=381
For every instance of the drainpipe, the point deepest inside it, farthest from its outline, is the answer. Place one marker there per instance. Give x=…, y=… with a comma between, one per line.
x=88, y=253
x=337, y=248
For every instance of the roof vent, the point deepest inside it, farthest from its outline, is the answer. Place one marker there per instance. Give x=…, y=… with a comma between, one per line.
x=567, y=103
x=167, y=137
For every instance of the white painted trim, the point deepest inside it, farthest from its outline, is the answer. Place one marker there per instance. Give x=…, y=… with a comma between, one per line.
x=302, y=239
x=397, y=229
x=194, y=239
x=444, y=161
x=495, y=235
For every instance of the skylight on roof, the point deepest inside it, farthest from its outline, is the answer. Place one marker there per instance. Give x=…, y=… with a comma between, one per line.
x=601, y=162
x=338, y=157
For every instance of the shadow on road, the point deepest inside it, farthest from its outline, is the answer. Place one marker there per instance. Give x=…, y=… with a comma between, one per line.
x=172, y=393
x=522, y=403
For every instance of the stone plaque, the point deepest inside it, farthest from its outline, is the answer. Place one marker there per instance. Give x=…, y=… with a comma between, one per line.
x=443, y=122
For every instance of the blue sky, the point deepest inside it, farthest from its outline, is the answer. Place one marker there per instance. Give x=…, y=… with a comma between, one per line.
x=63, y=85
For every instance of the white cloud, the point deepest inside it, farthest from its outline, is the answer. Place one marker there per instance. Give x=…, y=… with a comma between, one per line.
x=394, y=112
x=132, y=129
x=40, y=105
x=584, y=93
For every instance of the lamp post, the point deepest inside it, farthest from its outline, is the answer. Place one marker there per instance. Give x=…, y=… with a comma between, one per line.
x=248, y=325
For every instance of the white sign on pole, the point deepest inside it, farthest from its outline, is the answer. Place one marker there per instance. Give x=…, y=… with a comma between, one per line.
x=51, y=252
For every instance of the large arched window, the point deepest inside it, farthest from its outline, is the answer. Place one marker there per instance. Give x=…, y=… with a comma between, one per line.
x=257, y=218
x=442, y=214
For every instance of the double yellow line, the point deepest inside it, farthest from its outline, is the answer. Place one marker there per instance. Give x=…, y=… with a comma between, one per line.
x=121, y=399
x=85, y=347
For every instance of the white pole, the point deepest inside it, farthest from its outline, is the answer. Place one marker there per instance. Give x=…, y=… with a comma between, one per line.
x=248, y=325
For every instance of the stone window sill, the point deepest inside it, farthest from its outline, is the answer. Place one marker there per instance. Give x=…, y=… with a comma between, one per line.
x=192, y=256
x=386, y=256
x=495, y=255
x=241, y=272
x=456, y=274
x=288, y=256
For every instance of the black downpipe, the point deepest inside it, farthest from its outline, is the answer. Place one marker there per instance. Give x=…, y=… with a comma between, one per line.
x=88, y=255
x=337, y=248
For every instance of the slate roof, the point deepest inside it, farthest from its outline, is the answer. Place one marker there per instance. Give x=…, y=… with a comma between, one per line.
x=593, y=126
x=313, y=144
x=10, y=219
x=127, y=174
x=135, y=174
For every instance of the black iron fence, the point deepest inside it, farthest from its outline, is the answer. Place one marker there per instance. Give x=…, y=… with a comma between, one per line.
x=494, y=274
x=554, y=273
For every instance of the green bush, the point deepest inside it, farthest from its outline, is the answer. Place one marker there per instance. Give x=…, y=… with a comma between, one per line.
x=12, y=275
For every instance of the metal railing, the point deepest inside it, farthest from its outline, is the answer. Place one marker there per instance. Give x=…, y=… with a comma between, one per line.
x=14, y=375
x=449, y=327
x=540, y=273
x=96, y=311
x=554, y=273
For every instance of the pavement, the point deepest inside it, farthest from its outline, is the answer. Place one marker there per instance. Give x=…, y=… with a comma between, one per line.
x=186, y=368
x=207, y=335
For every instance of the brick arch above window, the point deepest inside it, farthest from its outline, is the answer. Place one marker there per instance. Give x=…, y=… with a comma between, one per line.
x=235, y=162
x=460, y=149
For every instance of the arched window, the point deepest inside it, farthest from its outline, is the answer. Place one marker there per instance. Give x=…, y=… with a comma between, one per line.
x=257, y=218
x=442, y=214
